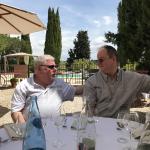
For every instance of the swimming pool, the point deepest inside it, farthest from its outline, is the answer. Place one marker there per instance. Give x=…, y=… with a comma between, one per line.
x=72, y=75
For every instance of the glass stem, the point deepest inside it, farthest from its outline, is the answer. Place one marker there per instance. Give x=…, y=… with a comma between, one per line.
x=130, y=144
x=58, y=131
x=130, y=135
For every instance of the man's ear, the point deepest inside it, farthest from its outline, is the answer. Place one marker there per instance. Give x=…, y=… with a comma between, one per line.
x=38, y=68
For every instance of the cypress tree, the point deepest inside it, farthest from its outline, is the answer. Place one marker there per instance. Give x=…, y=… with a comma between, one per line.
x=53, y=35
x=133, y=34
x=26, y=47
x=128, y=30
x=144, y=34
x=58, y=38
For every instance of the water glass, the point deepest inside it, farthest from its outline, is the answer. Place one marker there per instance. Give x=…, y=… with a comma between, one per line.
x=120, y=124
x=131, y=122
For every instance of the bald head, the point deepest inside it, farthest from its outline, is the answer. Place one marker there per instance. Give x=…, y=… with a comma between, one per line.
x=111, y=51
x=107, y=60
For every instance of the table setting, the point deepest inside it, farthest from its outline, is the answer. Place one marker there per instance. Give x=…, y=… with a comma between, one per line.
x=106, y=135
x=76, y=131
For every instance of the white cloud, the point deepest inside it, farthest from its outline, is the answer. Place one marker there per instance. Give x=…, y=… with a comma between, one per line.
x=67, y=39
x=71, y=10
x=97, y=23
x=95, y=44
x=67, y=43
x=37, y=42
x=75, y=16
x=107, y=20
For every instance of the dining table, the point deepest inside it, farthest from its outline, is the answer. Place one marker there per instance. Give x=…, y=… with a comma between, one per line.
x=107, y=134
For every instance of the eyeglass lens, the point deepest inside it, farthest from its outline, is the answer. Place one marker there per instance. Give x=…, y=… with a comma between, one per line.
x=50, y=66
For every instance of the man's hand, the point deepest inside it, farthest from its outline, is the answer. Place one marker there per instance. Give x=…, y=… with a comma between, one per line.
x=79, y=89
x=18, y=117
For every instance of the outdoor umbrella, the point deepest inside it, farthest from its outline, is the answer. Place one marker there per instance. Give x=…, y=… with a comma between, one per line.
x=17, y=21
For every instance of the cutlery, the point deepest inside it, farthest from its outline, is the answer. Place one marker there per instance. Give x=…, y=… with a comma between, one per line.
x=65, y=123
x=120, y=126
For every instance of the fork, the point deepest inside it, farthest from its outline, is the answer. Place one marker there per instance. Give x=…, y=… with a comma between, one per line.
x=65, y=123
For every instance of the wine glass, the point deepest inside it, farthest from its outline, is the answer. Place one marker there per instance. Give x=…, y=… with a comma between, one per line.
x=84, y=99
x=59, y=120
x=146, y=99
x=120, y=124
x=131, y=122
x=120, y=117
x=87, y=108
x=64, y=115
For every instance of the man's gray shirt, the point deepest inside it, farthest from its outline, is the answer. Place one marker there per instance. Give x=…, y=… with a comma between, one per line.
x=106, y=97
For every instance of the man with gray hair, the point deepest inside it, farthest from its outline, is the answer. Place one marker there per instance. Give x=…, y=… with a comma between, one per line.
x=50, y=90
x=112, y=89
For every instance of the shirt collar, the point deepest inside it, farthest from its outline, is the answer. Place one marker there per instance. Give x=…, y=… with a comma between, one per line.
x=49, y=86
x=107, y=78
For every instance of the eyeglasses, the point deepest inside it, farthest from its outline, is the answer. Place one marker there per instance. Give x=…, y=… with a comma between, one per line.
x=50, y=66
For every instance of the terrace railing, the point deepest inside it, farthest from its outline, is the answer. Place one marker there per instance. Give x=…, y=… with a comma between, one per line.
x=75, y=75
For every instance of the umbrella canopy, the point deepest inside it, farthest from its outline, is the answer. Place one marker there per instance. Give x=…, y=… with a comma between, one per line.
x=17, y=21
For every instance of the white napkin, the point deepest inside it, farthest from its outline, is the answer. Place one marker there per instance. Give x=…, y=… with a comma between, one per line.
x=15, y=131
x=137, y=133
x=74, y=125
x=145, y=138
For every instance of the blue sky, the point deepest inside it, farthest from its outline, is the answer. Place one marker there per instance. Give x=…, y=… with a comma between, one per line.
x=95, y=16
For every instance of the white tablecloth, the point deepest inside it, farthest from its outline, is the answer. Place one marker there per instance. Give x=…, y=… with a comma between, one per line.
x=106, y=137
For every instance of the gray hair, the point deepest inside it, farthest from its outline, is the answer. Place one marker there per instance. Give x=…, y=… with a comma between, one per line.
x=40, y=60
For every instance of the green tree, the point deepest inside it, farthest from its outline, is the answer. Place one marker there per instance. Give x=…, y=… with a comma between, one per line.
x=127, y=29
x=13, y=46
x=53, y=42
x=133, y=34
x=9, y=45
x=81, y=48
x=3, y=43
x=71, y=58
x=143, y=34
x=26, y=44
